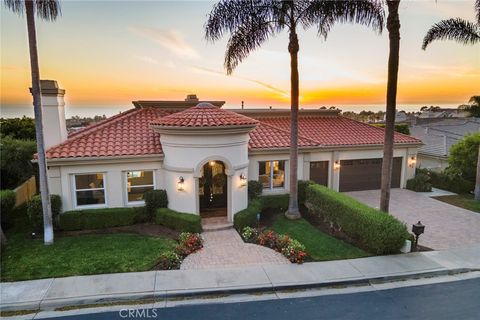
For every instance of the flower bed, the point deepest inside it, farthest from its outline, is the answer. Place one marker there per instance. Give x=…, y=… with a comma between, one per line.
x=292, y=249
x=188, y=243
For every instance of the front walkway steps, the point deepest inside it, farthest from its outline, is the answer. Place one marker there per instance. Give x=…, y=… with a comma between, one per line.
x=224, y=248
x=216, y=223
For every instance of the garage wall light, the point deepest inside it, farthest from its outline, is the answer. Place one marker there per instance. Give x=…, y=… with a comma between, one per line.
x=336, y=165
x=412, y=161
x=243, y=180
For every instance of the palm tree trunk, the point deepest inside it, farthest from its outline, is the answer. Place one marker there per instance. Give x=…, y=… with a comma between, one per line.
x=477, y=182
x=37, y=107
x=393, y=26
x=3, y=239
x=293, y=48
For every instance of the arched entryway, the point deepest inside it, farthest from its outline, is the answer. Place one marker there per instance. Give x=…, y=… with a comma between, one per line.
x=212, y=190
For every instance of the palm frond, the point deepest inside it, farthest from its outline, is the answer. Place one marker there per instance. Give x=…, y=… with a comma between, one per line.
x=325, y=14
x=456, y=29
x=243, y=41
x=477, y=9
x=16, y=6
x=48, y=9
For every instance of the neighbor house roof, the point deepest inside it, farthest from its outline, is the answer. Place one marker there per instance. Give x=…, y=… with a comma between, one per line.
x=131, y=133
x=439, y=137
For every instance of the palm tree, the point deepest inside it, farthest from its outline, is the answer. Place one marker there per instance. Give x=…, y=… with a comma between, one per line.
x=251, y=23
x=393, y=27
x=457, y=29
x=47, y=10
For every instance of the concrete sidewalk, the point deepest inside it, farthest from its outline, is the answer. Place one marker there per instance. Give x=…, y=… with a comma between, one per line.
x=163, y=285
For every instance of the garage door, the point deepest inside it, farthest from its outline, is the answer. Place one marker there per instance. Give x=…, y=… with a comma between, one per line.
x=319, y=172
x=366, y=174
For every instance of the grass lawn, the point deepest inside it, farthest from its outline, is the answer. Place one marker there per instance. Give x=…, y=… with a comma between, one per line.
x=464, y=201
x=26, y=259
x=320, y=246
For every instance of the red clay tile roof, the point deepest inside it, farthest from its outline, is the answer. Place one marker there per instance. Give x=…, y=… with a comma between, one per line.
x=265, y=136
x=128, y=133
x=338, y=131
x=204, y=115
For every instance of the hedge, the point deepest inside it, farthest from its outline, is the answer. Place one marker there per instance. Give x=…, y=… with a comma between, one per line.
x=155, y=199
x=449, y=182
x=255, y=189
x=35, y=210
x=7, y=202
x=420, y=183
x=100, y=218
x=247, y=217
x=277, y=201
x=373, y=230
x=302, y=190
x=180, y=221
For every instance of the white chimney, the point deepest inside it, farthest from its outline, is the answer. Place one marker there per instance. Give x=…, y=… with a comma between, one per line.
x=53, y=113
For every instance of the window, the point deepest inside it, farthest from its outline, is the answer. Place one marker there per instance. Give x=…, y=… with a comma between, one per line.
x=138, y=182
x=272, y=174
x=90, y=189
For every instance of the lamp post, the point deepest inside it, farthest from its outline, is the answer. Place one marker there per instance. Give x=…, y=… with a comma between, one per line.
x=417, y=229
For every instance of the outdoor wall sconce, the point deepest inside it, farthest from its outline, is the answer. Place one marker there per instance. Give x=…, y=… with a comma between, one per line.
x=417, y=229
x=336, y=165
x=243, y=180
x=412, y=161
x=180, y=183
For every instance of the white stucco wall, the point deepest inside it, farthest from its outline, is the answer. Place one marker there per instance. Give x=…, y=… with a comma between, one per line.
x=185, y=155
x=432, y=163
x=54, y=125
x=61, y=179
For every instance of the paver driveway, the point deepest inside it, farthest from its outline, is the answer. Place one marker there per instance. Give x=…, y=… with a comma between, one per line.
x=225, y=249
x=447, y=226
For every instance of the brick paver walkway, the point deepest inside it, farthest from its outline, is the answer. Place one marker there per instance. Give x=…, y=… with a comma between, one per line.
x=447, y=226
x=225, y=248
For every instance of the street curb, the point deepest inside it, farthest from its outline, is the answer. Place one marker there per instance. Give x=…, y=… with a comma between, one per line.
x=45, y=305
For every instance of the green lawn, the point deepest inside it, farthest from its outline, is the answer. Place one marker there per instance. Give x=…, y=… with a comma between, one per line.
x=464, y=201
x=320, y=246
x=25, y=259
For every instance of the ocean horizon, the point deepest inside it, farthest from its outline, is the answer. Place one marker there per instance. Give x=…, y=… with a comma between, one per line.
x=20, y=110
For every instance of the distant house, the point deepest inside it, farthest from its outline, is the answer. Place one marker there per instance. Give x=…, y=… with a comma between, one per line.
x=438, y=137
x=400, y=116
x=443, y=113
x=203, y=155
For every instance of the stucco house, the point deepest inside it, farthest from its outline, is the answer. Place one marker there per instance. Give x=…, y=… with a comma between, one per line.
x=203, y=155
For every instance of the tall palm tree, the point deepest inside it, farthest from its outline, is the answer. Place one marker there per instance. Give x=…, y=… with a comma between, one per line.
x=251, y=23
x=393, y=27
x=47, y=10
x=464, y=32
x=457, y=29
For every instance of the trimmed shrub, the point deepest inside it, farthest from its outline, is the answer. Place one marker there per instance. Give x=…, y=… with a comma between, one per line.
x=373, y=230
x=155, y=199
x=247, y=217
x=449, y=182
x=35, y=211
x=302, y=189
x=7, y=202
x=420, y=183
x=255, y=189
x=99, y=218
x=277, y=201
x=180, y=221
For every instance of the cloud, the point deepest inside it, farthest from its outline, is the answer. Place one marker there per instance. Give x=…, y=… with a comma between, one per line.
x=170, y=39
x=146, y=59
x=261, y=83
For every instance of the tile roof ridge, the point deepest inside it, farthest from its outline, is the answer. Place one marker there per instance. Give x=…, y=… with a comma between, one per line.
x=97, y=126
x=288, y=132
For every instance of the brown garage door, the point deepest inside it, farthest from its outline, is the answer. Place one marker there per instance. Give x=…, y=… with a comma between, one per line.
x=319, y=172
x=366, y=174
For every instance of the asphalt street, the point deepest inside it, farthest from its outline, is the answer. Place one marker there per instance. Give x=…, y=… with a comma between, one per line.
x=452, y=300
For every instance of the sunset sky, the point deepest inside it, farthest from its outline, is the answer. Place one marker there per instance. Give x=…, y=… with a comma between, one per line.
x=113, y=52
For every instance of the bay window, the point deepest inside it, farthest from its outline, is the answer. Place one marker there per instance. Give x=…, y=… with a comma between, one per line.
x=272, y=174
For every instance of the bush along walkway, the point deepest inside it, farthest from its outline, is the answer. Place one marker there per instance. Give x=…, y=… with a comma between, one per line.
x=226, y=249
